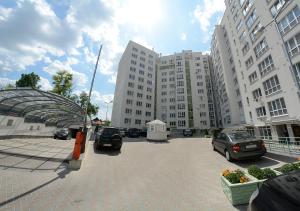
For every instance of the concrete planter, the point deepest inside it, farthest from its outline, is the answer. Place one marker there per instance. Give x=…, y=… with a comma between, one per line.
x=239, y=193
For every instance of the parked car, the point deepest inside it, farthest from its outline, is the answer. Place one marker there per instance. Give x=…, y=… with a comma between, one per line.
x=188, y=132
x=143, y=132
x=276, y=194
x=62, y=134
x=109, y=136
x=238, y=145
x=133, y=133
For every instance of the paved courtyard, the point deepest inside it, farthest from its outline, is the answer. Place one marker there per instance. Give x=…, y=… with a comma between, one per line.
x=183, y=174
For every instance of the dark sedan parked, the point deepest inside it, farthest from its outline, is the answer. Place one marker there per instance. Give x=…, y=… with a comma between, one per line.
x=188, y=132
x=62, y=134
x=108, y=136
x=133, y=133
x=238, y=145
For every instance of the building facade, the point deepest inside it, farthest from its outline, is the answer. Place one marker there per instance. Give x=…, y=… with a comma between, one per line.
x=134, y=97
x=256, y=56
x=175, y=89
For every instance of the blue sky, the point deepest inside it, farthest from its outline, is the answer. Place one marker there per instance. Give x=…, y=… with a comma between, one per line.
x=44, y=36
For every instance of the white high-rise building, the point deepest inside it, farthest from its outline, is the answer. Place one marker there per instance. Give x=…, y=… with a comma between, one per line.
x=134, y=95
x=256, y=56
x=175, y=89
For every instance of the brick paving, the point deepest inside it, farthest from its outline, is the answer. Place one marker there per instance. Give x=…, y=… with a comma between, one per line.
x=183, y=174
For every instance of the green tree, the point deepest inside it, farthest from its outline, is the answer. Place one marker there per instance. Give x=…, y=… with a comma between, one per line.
x=63, y=82
x=8, y=86
x=28, y=80
x=83, y=102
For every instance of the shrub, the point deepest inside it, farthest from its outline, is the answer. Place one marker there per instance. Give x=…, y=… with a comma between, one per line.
x=288, y=167
x=261, y=173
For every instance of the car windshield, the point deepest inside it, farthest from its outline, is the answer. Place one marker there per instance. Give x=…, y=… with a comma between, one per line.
x=239, y=136
x=110, y=131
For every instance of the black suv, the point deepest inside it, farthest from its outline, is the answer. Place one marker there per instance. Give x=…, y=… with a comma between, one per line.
x=109, y=136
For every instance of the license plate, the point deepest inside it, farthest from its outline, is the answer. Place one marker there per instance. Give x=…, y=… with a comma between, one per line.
x=251, y=146
x=106, y=144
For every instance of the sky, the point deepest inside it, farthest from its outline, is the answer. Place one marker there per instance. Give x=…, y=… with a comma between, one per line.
x=45, y=36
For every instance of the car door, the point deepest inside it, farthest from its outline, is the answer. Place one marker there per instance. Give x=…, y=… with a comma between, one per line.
x=222, y=141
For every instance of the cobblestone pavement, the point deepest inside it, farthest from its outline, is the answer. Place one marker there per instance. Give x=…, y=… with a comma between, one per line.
x=54, y=149
x=183, y=174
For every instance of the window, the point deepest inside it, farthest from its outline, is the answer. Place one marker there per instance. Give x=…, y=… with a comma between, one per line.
x=148, y=105
x=138, y=112
x=261, y=48
x=149, y=82
x=139, y=95
x=181, y=114
x=148, y=113
x=129, y=102
x=141, y=72
x=297, y=72
x=128, y=111
x=293, y=45
x=10, y=122
x=238, y=93
x=149, y=89
x=163, y=80
x=132, y=69
x=255, y=33
x=271, y=85
x=181, y=123
x=180, y=83
x=239, y=26
x=180, y=98
x=164, y=86
x=261, y=111
x=134, y=55
x=133, y=62
x=163, y=93
x=138, y=121
x=143, y=53
x=172, y=79
x=150, y=68
x=130, y=84
x=246, y=48
x=172, y=115
x=164, y=73
x=253, y=77
x=247, y=7
x=289, y=21
x=149, y=97
x=251, y=19
x=173, y=124
x=132, y=77
x=141, y=79
x=277, y=107
x=164, y=100
x=142, y=59
x=139, y=103
x=181, y=106
x=134, y=49
x=171, y=73
x=127, y=121
x=200, y=91
x=172, y=100
x=180, y=76
x=256, y=94
x=249, y=62
x=180, y=91
x=277, y=6
x=130, y=93
x=140, y=87
x=266, y=65
x=199, y=83
x=172, y=107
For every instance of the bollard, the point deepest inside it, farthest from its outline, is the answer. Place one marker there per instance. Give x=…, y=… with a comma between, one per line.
x=77, y=146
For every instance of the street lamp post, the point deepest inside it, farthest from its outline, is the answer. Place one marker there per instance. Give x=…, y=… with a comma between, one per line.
x=107, y=103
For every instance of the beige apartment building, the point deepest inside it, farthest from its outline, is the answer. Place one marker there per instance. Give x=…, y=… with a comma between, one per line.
x=256, y=76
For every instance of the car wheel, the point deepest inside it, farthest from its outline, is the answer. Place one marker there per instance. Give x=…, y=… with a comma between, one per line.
x=117, y=147
x=228, y=156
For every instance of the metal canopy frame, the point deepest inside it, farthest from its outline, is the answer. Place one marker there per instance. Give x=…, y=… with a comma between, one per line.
x=40, y=106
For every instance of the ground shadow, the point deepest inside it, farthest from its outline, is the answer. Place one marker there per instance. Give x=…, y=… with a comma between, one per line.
x=158, y=142
x=282, y=158
x=107, y=151
x=261, y=162
x=139, y=139
x=61, y=175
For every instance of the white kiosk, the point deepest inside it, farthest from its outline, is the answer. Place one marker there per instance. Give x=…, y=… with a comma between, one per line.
x=156, y=131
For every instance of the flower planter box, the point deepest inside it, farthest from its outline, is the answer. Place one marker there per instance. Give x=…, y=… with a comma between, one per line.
x=239, y=193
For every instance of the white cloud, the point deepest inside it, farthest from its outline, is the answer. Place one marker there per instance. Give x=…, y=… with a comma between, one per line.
x=113, y=79
x=142, y=41
x=204, y=12
x=100, y=99
x=6, y=81
x=45, y=84
x=80, y=79
x=31, y=30
x=183, y=36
